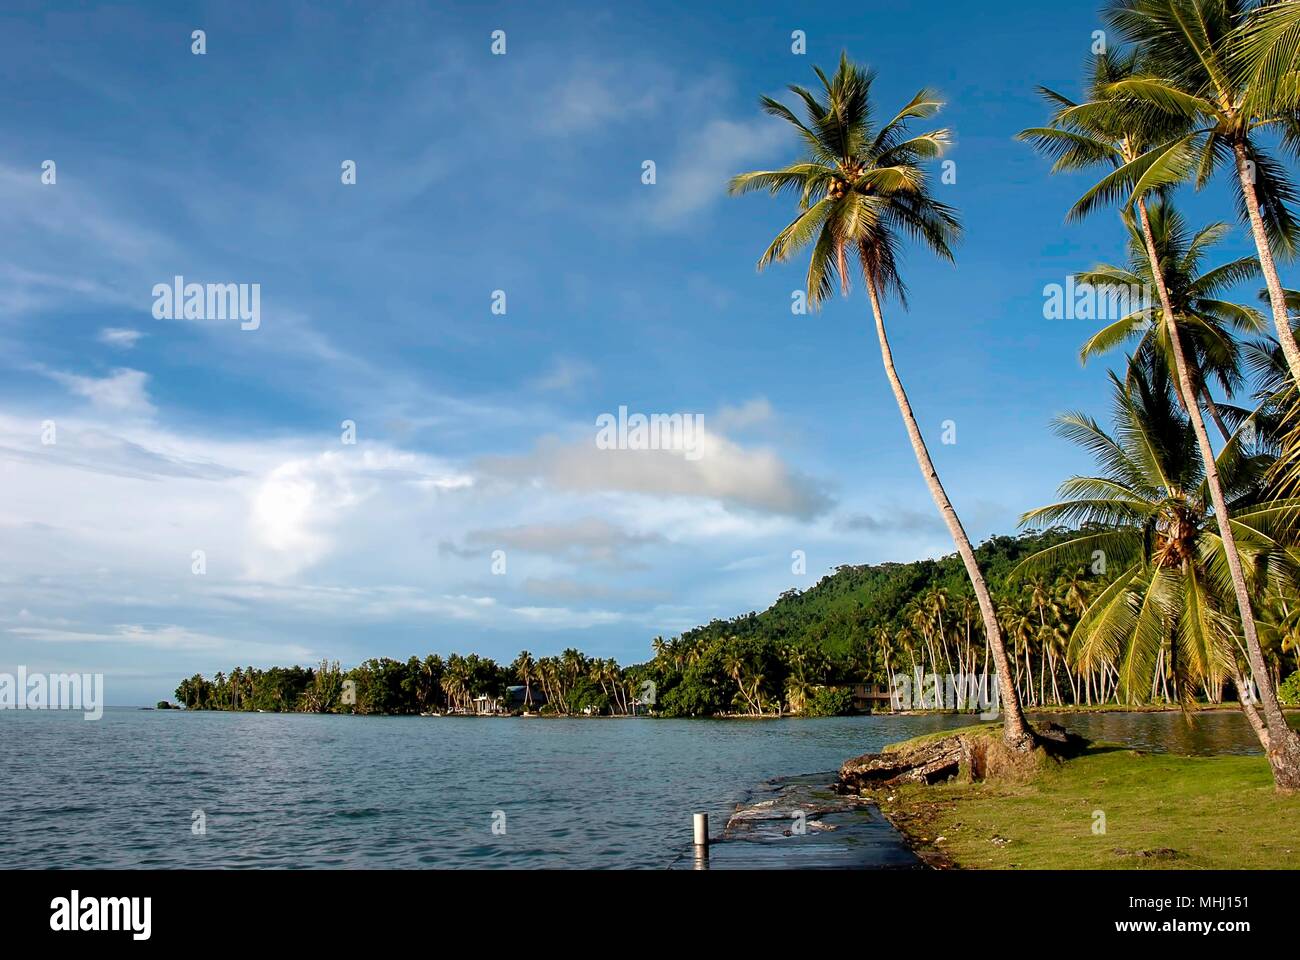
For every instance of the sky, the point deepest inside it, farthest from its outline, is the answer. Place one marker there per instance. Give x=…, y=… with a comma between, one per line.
x=178, y=496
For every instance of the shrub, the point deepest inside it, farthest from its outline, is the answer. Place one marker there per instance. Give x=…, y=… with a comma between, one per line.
x=829, y=702
x=1289, y=691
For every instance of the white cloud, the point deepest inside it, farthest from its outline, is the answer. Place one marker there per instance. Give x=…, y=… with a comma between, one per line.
x=314, y=548
x=748, y=414
x=696, y=176
x=122, y=391
x=120, y=337
x=750, y=479
x=299, y=505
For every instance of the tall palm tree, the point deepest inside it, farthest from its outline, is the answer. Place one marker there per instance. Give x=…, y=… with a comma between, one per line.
x=1205, y=319
x=1149, y=511
x=1190, y=76
x=1107, y=132
x=862, y=190
x=523, y=668
x=1018, y=622
x=1039, y=592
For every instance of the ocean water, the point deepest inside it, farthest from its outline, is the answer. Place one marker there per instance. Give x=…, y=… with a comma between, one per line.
x=307, y=791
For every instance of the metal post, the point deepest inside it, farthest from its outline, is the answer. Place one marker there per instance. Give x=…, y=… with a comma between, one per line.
x=702, y=834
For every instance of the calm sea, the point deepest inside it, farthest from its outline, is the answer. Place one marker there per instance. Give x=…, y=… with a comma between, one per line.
x=305, y=791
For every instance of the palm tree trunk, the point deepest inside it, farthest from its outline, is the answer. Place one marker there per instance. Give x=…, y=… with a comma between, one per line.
x=889, y=679
x=1276, y=297
x=984, y=669
x=1042, y=673
x=1015, y=731
x=1217, y=417
x=1244, y=696
x=1284, y=752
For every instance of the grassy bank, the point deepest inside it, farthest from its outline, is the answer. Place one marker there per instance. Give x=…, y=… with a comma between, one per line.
x=1161, y=811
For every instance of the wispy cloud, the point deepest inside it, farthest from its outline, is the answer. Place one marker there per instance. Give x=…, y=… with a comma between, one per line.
x=564, y=375
x=120, y=337
x=591, y=94
x=695, y=176
x=588, y=540
x=122, y=391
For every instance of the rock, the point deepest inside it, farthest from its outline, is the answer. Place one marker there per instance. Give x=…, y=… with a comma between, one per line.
x=930, y=763
x=979, y=756
x=1061, y=742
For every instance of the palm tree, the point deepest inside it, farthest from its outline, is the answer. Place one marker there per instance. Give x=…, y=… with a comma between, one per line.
x=523, y=668
x=1201, y=314
x=1263, y=53
x=1040, y=596
x=1147, y=512
x=797, y=689
x=862, y=190
x=1191, y=77
x=1150, y=512
x=1017, y=620
x=1109, y=132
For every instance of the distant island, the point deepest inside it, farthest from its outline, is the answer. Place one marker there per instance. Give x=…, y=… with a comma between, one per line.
x=828, y=650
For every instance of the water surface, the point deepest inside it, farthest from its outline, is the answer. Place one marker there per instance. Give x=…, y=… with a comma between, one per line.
x=307, y=791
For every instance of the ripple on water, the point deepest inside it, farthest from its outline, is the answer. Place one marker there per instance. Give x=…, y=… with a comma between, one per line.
x=308, y=792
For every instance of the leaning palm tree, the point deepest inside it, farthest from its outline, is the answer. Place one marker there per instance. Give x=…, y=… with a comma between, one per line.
x=1205, y=319
x=1113, y=133
x=861, y=191
x=1190, y=77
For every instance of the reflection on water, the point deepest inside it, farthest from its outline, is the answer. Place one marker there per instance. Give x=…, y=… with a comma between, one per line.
x=1197, y=734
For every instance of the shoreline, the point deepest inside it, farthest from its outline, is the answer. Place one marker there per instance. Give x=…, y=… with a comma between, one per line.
x=1110, y=806
x=1070, y=710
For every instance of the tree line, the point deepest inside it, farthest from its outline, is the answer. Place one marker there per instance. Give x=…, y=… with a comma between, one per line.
x=802, y=656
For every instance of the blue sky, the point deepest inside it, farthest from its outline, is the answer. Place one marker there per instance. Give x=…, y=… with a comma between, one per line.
x=475, y=430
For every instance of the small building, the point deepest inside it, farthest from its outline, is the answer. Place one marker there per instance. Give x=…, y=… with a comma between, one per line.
x=870, y=696
x=519, y=697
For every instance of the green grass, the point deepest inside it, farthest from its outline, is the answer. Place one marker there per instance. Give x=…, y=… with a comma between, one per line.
x=976, y=729
x=1212, y=812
